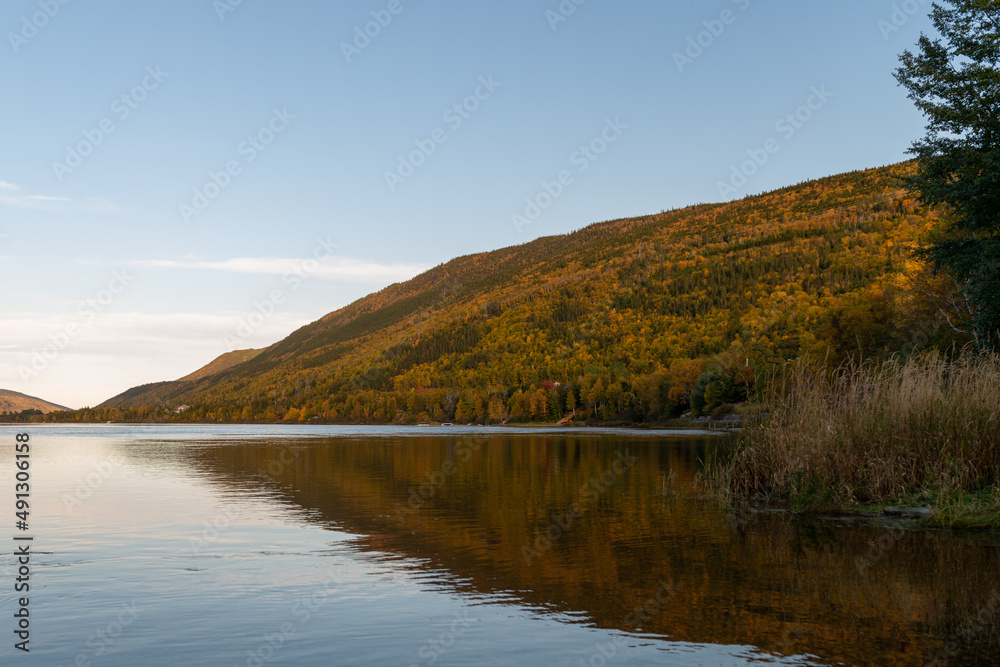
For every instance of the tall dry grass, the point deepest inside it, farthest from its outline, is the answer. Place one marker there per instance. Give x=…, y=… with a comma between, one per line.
x=875, y=431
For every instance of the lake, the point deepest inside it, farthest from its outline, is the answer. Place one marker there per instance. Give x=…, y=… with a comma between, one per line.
x=274, y=545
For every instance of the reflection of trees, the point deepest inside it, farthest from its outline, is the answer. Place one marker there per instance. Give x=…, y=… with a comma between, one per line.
x=838, y=590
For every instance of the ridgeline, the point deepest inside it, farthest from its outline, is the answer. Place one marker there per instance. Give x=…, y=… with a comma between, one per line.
x=627, y=321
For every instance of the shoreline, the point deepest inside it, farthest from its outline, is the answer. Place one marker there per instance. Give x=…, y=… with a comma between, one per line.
x=552, y=427
x=898, y=518
x=672, y=425
x=932, y=509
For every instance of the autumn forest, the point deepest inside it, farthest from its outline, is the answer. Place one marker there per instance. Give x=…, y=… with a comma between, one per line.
x=638, y=320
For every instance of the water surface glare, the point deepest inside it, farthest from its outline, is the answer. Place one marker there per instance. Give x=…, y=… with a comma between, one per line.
x=273, y=545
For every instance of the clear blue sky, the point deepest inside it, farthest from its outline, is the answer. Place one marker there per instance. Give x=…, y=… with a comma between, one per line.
x=115, y=112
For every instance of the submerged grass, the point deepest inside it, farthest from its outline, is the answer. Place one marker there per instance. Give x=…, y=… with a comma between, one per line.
x=923, y=431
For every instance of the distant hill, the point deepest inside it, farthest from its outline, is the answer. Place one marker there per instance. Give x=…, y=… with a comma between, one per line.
x=633, y=320
x=13, y=402
x=163, y=394
x=225, y=362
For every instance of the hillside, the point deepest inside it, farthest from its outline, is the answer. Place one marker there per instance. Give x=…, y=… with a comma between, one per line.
x=222, y=363
x=634, y=320
x=163, y=394
x=12, y=402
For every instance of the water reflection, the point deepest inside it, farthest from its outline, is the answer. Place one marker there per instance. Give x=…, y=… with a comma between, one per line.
x=607, y=531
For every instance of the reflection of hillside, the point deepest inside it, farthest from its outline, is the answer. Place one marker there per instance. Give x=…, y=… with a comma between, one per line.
x=822, y=588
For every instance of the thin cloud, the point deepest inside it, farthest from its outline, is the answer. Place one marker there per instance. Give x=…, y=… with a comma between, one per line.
x=330, y=268
x=43, y=202
x=14, y=196
x=45, y=198
x=17, y=202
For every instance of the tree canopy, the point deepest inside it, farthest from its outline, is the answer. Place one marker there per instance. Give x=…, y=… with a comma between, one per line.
x=955, y=82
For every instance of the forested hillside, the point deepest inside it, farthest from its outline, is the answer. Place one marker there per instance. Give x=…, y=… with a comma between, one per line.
x=12, y=403
x=630, y=320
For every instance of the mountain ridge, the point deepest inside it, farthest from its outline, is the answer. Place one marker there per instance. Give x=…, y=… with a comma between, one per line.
x=622, y=318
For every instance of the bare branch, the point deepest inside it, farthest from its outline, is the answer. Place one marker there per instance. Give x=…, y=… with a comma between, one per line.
x=953, y=327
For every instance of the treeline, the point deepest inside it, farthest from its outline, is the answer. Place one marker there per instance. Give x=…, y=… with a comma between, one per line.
x=22, y=417
x=659, y=397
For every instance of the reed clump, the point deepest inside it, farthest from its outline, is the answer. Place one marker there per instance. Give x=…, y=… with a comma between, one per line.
x=870, y=433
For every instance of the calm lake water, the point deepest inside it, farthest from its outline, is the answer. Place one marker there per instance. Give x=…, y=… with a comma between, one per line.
x=448, y=546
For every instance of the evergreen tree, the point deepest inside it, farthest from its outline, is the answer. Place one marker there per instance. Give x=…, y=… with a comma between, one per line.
x=955, y=82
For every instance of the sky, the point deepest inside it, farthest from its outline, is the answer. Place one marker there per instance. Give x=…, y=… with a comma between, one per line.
x=181, y=179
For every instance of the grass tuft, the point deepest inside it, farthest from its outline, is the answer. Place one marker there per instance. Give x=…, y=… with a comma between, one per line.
x=871, y=433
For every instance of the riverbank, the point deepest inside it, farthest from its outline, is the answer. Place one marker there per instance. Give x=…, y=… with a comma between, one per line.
x=937, y=509
x=673, y=424
x=922, y=434
x=168, y=418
